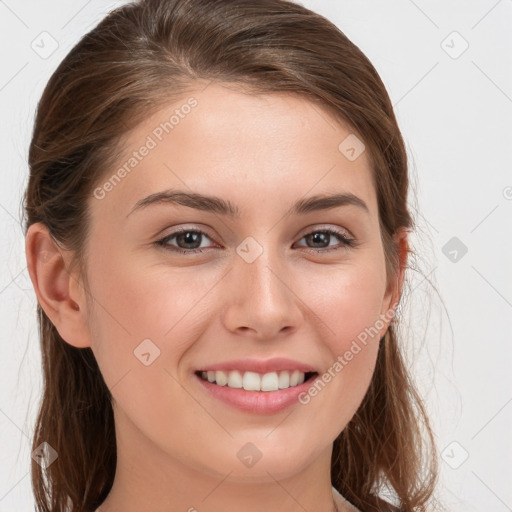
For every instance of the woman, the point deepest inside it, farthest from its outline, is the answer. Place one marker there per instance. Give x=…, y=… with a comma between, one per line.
x=258, y=367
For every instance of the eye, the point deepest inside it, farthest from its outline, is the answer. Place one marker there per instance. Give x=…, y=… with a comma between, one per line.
x=186, y=237
x=324, y=236
x=189, y=240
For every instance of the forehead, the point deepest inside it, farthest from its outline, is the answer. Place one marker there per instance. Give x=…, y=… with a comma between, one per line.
x=222, y=141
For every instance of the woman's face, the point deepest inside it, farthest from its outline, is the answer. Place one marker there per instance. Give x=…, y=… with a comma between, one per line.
x=269, y=292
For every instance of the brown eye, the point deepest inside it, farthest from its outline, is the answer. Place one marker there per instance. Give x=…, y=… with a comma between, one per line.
x=187, y=240
x=320, y=240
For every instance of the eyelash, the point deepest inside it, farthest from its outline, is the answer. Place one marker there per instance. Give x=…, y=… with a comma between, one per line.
x=346, y=242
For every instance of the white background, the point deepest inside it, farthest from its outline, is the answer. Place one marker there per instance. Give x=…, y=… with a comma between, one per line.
x=455, y=112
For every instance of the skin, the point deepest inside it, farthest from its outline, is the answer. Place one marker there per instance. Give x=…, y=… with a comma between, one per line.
x=177, y=446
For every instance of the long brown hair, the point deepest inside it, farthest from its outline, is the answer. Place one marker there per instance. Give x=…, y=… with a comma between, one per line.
x=135, y=61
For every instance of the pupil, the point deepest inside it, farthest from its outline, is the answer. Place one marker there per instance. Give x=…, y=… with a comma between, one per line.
x=189, y=237
x=319, y=237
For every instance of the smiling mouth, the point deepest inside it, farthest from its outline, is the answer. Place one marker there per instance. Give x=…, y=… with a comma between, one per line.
x=252, y=381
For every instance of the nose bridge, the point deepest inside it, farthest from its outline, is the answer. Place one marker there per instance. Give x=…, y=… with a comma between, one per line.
x=262, y=299
x=260, y=275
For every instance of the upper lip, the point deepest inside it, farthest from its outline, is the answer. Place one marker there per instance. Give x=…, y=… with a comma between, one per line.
x=260, y=365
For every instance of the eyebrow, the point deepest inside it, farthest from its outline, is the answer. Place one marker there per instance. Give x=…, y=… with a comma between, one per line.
x=223, y=207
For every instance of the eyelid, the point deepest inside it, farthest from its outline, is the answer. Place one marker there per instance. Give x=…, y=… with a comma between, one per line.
x=185, y=229
x=326, y=227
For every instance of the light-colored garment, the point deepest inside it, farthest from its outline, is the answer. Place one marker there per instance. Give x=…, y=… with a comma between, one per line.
x=342, y=502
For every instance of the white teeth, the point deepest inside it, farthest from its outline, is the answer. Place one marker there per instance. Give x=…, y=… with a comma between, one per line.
x=252, y=381
x=221, y=378
x=284, y=380
x=235, y=379
x=270, y=382
x=294, y=378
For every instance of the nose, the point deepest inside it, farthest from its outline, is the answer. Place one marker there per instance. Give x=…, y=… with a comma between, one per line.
x=261, y=302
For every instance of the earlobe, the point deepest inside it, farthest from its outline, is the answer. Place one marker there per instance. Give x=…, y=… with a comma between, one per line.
x=57, y=290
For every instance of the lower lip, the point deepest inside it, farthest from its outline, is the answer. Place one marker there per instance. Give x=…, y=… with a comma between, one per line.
x=258, y=402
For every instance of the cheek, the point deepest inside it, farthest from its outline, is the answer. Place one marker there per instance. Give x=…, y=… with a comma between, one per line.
x=348, y=300
x=348, y=304
x=142, y=322
x=139, y=309
x=143, y=301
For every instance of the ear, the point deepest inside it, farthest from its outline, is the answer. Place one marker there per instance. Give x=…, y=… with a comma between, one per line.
x=394, y=289
x=58, y=292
